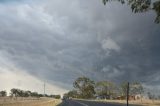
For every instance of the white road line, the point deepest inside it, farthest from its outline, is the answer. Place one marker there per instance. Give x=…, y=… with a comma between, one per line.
x=81, y=103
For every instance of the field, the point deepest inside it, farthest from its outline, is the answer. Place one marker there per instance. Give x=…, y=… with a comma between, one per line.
x=134, y=102
x=28, y=101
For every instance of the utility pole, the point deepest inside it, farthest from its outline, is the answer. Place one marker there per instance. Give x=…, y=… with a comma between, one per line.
x=44, y=89
x=127, y=94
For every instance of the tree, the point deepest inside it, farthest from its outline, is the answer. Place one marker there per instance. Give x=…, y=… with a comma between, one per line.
x=65, y=96
x=156, y=8
x=27, y=93
x=14, y=92
x=158, y=97
x=85, y=87
x=123, y=89
x=22, y=93
x=41, y=95
x=139, y=6
x=57, y=96
x=150, y=96
x=105, y=89
x=34, y=94
x=3, y=93
x=73, y=94
x=136, y=88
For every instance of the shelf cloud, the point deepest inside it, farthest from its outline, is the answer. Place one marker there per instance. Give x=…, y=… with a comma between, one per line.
x=58, y=41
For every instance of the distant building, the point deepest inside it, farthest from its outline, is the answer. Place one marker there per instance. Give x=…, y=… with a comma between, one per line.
x=120, y=97
x=103, y=97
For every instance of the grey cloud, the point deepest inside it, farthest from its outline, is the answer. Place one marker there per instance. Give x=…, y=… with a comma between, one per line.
x=61, y=40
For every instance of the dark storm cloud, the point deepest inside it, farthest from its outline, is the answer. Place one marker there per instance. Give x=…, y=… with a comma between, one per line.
x=62, y=40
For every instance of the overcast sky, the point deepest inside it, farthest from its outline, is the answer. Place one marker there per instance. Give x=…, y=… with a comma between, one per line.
x=56, y=41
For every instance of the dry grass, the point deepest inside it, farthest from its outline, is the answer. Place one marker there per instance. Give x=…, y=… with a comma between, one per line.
x=135, y=102
x=30, y=102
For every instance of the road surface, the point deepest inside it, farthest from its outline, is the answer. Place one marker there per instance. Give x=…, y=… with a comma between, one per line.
x=88, y=103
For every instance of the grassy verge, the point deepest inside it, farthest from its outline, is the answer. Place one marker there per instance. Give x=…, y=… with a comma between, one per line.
x=57, y=102
x=133, y=103
x=46, y=102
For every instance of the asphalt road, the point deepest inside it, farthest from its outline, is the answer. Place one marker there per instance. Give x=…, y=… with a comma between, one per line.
x=87, y=103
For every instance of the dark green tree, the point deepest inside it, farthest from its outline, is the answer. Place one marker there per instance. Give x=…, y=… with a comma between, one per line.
x=139, y=6
x=14, y=92
x=73, y=94
x=3, y=93
x=57, y=96
x=34, y=94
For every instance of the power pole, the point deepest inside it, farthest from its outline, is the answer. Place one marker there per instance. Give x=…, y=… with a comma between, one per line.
x=44, y=89
x=127, y=94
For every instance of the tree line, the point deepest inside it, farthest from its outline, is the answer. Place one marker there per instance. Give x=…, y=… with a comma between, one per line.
x=86, y=88
x=26, y=93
